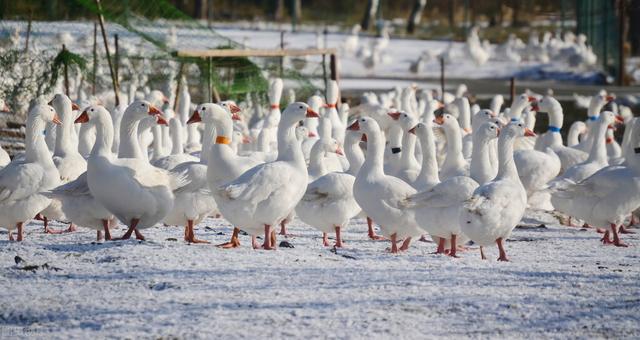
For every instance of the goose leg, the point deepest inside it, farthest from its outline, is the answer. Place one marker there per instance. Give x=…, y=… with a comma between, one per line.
x=503, y=254
x=98, y=235
x=454, y=247
x=632, y=220
x=191, y=235
x=441, y=244
x=72, y=228
x=394, y=246
x=139, y=235
x=267, y=238
x=325, y=239
x=482, y=253
x=107, y=233
x=372, y=233
x=20, y=232
x=234, y=242
x=254, y=242
x=624, y=230
x=132, y=228
x=405, y=244
x=11, y=236
x=605, y=238
x=616, y=237
x=274, y=239
x=283, y=228
x=339, y=243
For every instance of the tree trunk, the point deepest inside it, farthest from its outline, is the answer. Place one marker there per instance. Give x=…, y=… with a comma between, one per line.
x=369, y=14
x=452, y=13
x=279, y=13
x=416, y=14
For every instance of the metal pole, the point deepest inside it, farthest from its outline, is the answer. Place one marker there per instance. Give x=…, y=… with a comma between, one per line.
x=26, y=45
x=180, y=72
x=333, y=67
x=621, y=38
x=116, y=60
x=95, y=58
x=66, y=72
x=324, y=73
x=281, y=58
x=512, y=89
x=442, y=78
x=114, y=80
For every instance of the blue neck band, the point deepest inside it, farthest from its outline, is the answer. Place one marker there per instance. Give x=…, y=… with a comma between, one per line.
x=593, y=118
x=554, y=129
x=515, y=119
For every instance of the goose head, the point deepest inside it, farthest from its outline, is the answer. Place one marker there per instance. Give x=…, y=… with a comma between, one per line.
x=405, y=120
x=447, y=122
x=329, y=145
x=597, y=103
x=214, y=113
x=514, y=130
x=141, y=109
x=519, y=103
x=296, y=112
x=63, y=106
x=610, y=119
x=481, y=117
x=44, y=113
x=91, y=115
x=487, y=131
x=366, y=125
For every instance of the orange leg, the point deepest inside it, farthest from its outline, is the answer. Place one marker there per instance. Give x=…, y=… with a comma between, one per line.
x=234, y=242
x=339, y=242
x=372, y=233
x=616, y=237
x=503, y=254
x=454, y=247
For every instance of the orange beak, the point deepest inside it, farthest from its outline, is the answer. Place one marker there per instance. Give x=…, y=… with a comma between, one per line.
x=56, y=119
x=535, y=107
x=161, y=120
x=246, y=139
x=619, y=119
x=611, y=98
x=82, y=118
x=498, y=132
x=312, y=134
x=529, y=133
x=195, y=118
x=75, y=106
x=339, y=151
x=439, y=120
x=413, y=129
x=532, y=99
x=154, y=111
x=234, y=108
x=235, y=116
x=312, y=114
x=354, y=127
x=394, y=115
x=492, y=114
x=363, y=138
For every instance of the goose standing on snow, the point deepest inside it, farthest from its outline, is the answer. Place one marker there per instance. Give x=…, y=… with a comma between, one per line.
x=22, y=181
x=264, y=195
x=380, y=195
x=328, y=204
x=496, y=207
x=137, y=193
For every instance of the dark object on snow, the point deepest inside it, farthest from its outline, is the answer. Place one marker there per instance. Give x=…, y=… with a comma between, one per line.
x=18, y=259
x=335, y=251
x=34, y=267
x=286, y=244
x=173, y=239
x=242, y=232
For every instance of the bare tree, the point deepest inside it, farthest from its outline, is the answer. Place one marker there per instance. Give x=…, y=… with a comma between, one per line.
x=369, y=14
x=416, y=14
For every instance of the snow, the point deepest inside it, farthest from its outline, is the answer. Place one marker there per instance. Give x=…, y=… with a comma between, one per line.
x=561, y=282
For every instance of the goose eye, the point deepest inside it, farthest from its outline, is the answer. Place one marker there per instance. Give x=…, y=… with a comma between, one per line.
x=301, y=107
x=492, y=128
x=362, y=120
x=91, y=110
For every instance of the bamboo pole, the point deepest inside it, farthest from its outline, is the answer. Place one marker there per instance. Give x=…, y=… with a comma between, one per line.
x=95, y=58
x=114, y=80
x=66, y=73
x=26, y=45
x=442, y=78
x=512, y=89
x=116, y=60
x=180, y=72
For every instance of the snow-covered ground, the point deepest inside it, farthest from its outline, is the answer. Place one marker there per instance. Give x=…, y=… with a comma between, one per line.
x=561, y=282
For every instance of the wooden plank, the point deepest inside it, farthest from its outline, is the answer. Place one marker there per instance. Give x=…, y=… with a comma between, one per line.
x=254, y=53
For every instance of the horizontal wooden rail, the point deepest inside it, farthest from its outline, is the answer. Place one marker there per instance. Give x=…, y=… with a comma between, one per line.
x=217, y=53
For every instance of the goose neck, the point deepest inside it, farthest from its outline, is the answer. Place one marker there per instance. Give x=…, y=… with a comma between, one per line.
x=506, y=165
x=104, y=137
x=599, y=147
x=35, y=146
x=129, y=143
x=374, y=161
x=429, y=171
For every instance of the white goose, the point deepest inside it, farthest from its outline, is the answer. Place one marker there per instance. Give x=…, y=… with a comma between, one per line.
x=577, y=130
x=4, y=158
x=265, y=194
x=22, y=181
x=606, y=197
x=481, y=168
x=437, y=209
x=408, y=167
x=177, y=156
x=380, y=195
x=454, y=163
x=597, y=157
x=496, y=207
x=328, y=204
x=225, y=165
x=137, y=193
